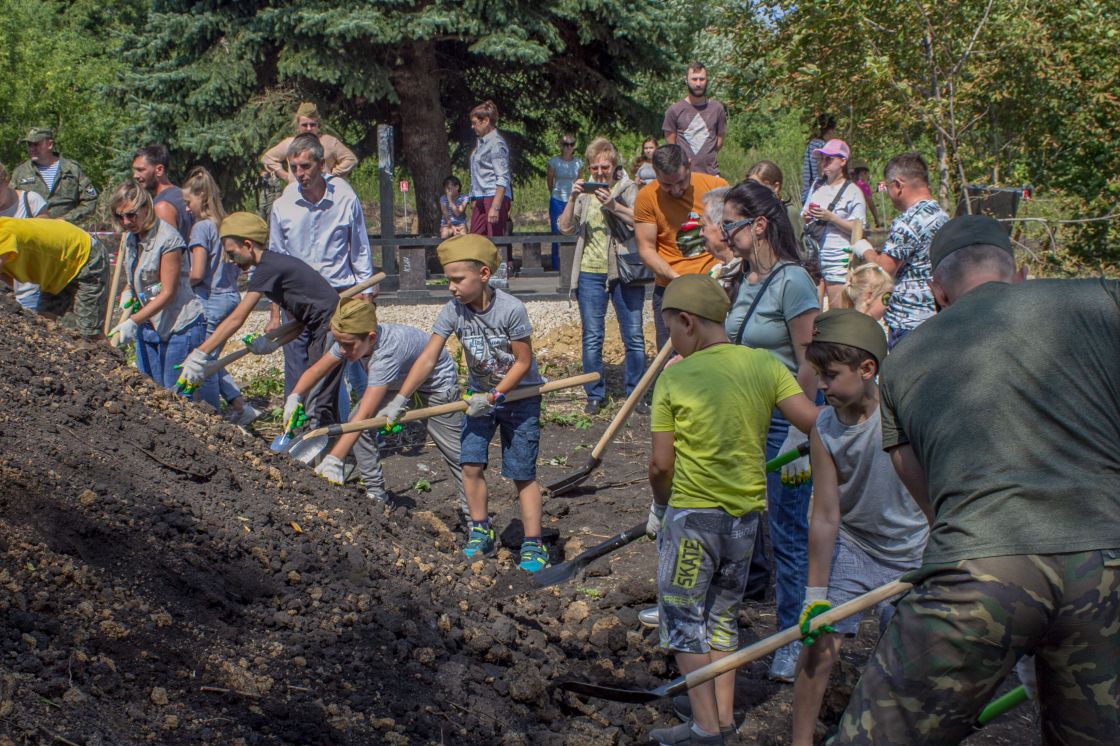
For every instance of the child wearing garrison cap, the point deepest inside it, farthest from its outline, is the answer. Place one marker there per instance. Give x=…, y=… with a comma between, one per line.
x=495, y=332
x=709, y=489
x=389, y=352
x=290, y=284
x=865, y=529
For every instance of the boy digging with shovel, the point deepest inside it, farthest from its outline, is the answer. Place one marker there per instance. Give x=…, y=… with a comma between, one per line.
x=710, y=415
x=390, y=351
x=494, y=330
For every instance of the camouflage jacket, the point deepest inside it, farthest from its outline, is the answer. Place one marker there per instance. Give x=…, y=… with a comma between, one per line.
x=73, y=198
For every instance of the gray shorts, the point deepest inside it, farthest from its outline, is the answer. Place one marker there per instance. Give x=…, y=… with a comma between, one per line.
x=704, y=560
x=855, y=572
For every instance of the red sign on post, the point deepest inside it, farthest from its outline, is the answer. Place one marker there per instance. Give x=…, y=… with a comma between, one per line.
x=404, y=186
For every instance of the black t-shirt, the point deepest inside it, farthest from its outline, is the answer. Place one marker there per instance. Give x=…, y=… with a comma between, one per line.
x=1010, y=399
x=294, y=286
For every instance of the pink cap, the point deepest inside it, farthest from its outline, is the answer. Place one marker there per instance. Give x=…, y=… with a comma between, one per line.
x=835, y=148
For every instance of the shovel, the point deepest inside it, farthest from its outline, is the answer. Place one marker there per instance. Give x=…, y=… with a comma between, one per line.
x=287, y=332
x=568, y=570
x=565, y=484
x=306, y=447
x=740, y=657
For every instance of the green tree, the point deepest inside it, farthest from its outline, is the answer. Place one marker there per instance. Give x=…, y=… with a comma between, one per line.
x=218, y=80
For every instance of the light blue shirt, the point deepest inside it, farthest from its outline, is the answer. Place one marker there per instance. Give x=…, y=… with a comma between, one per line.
x=490, y=166
x=564, y=174
x=329, y=235
x=789, y=295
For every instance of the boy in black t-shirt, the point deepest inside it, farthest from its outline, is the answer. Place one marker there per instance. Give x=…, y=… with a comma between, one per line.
x=289, y=283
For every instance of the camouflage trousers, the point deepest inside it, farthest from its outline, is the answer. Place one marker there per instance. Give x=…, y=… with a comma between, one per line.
x=959, y=632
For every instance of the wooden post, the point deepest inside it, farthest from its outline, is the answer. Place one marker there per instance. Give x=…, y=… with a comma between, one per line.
x=567, y=257
x=385, y=182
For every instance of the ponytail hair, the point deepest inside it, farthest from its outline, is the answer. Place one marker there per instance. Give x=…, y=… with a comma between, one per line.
x=753, y=200
x=486, y=110
x=200, y=183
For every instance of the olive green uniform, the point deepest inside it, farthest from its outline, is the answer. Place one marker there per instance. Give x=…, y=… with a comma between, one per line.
x=73, y=198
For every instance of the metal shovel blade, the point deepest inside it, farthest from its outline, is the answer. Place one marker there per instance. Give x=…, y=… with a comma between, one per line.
x=306, y=450
x=568, y=570
x=615, y=694
x=568, y=483
x=281, y=442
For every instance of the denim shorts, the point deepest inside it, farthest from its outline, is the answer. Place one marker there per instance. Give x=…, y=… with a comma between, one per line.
x=520, y=426
x=855, y=572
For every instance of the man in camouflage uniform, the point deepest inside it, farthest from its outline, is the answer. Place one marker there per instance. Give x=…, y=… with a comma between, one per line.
x=69, y=193
x=1002, y=417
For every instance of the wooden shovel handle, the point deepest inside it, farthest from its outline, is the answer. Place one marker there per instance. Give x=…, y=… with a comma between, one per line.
x=770, y=644
x=632, y=401
x=285, y=333
x=525, y=392
x=114, y=285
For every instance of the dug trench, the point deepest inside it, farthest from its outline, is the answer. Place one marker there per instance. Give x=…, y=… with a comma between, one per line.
x=164, y=578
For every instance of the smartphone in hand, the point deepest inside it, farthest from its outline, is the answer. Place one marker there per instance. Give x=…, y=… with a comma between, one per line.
x=590, y=187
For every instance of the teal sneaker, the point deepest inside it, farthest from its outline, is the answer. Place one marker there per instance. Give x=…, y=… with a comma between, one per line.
x=533, y=556
x=479, y=542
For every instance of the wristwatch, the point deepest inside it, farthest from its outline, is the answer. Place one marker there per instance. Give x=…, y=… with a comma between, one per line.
x=497, y=397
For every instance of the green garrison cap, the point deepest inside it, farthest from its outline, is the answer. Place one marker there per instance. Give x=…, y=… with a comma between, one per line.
x=697, y=294
x=968, y=230
x=38, y=134
x=847, y=326
x=245, y=225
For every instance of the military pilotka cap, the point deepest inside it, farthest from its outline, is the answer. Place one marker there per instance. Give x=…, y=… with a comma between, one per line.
x=697, y=294
x=354, y=316
x=38, y=134
x=245, y=225
x=847, y=326
x=968, y=230
x=308, y=109
x=469, y=247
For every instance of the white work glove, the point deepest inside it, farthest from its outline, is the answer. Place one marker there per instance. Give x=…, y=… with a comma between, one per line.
x=194, y=367
x=330, y=469
x=290, y=404
x=797, y=471
x=479, y=405
x=394, y=410
x=262, y=345
x=124, y=333
x=653, y=522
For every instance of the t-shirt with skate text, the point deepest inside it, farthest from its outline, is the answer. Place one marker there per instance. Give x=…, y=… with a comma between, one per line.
x=908, y=242
x=294, y=286
x=395, y=350
x=697, y=127
x=486, y=338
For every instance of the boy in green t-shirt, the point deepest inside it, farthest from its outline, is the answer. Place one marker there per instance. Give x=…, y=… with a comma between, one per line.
x=710, y=415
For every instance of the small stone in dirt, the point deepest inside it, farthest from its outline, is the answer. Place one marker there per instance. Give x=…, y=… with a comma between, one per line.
x=74, y=696
x=113, y=407
x=171, y=722
x=576, y=612
x=159, y=696
x=87, y=497
x=525, y=683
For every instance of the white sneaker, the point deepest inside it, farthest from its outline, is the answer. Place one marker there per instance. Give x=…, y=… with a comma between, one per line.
x=243, y=417
x=784, y=665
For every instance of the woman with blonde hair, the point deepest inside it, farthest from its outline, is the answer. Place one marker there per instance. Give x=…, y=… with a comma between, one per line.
x=163, y=317
x=338, y=160
x=213, y=280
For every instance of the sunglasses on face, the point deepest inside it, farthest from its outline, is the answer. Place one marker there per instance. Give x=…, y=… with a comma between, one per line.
x=126, y=215
x=567, y=144
x=728, y=230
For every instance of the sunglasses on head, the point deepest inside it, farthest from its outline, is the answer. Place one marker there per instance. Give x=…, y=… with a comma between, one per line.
x=728, y=230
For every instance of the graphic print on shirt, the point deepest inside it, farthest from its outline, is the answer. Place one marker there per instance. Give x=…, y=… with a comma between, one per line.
x=489, y=355
x=697, y=134
x=689, y=240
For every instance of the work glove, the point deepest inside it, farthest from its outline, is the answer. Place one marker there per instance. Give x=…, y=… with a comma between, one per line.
x=479, y=405
x=797, y=471
x=816, y=603
x=124, y=333
x=653, y=522
x=128, y=303
x=293, y=403
x=394, y=410
x=259, y=344
x=330, y=469
x=194, y=368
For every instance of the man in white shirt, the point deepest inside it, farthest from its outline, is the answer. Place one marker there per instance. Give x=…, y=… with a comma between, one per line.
x=318, y=220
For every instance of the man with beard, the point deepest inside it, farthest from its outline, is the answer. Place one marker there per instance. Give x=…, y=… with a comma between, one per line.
x=697, y=123
x=149, y=169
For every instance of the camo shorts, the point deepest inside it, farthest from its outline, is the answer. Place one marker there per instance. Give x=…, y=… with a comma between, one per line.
x=704, y=560
x=960, y=631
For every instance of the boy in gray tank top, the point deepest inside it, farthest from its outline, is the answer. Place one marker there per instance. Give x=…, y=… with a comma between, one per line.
x=866, y=530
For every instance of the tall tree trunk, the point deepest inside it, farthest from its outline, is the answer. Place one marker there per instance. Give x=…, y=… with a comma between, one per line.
x=943, y=172
x=423, y=130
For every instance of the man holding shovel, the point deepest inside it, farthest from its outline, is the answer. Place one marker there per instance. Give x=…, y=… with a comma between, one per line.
x=292, y=285
x=1002, y=417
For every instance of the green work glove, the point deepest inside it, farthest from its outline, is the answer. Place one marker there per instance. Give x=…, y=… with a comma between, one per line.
x=816, y=603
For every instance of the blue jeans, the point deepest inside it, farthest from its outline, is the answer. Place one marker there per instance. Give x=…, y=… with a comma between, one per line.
x=659, y=323
x=555, y=207
x=157, y=359
x=519, y=423
x=592, y=294
x=216, y=307
x=787, y=509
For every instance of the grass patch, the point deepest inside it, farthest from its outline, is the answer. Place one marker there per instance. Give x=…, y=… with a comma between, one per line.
x=568, y=419
x=591, y=592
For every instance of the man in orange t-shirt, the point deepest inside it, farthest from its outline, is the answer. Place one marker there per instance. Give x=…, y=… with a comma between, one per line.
x=667, y=224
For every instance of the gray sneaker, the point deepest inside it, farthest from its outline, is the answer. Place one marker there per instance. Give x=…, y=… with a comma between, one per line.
x=682, y=708
x=649, y=617
x=784, y=665
x=244, y=417
x=682, y=734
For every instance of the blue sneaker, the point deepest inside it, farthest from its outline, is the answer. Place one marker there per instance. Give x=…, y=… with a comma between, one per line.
x=533, y=556
x=479, y=542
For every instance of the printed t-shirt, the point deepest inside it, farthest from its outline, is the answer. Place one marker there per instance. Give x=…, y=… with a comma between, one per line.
x=717, y=402
x=49, y=253
x=877, y=514
x=908, y=242
x=1010, y=398
x=395, y=350
x=486, y=337
x=669, y=214
x=294, y=286
x=596, y=239
x=789, y=295
x=697, y=127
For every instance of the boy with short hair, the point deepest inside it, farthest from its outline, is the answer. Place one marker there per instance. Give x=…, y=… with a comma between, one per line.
x=864, y=526
x=711, y=412
x=389, y=352
x=289, y=283
x=494, y=330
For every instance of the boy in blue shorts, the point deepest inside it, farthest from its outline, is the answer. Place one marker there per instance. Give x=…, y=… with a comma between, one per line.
x=494, y=330
x=710, y=415
x=865, y=529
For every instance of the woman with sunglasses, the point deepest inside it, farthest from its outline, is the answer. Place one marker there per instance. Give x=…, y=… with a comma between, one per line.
x=163, y=317
x=772, y=308
x=563, y=170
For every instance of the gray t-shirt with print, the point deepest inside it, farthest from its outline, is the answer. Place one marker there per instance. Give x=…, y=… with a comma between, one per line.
x=876, y=512
x=486, y=338
x=397, y=347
